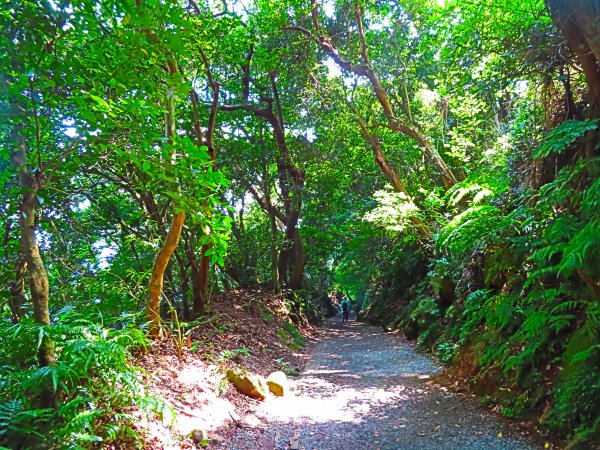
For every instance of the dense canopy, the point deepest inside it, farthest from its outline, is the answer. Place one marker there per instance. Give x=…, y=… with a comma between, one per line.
x=435, y=161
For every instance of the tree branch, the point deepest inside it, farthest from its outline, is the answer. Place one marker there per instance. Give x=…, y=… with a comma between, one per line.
x=263, y=204
x=358, y=13
x=272, y=77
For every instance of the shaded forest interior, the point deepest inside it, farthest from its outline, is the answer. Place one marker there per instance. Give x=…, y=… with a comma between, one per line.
x=434, y=161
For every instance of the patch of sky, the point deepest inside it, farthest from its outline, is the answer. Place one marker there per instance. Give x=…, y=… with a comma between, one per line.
x=378, y=26
x=239, y=204
x=521, y=87
x=69, y=129
x=81, y=205
x=43, y=239
x=104, y=252
x=329, y=8
x=334, y=70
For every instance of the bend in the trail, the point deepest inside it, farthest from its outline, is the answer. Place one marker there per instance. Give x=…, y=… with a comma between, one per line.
x=366, y=389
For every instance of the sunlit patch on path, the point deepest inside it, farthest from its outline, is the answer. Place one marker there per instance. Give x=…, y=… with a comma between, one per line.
x=365, y=389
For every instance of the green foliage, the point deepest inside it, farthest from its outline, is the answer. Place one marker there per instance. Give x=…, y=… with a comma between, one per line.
x=557, y=140
x=509, y=274
x=91, y=361
x=469, y=229
x=291, y=335
x=237, y=354
x=578, y=388
x=393, y=211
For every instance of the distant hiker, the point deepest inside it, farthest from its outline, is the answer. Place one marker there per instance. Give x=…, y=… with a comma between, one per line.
x=345, y=309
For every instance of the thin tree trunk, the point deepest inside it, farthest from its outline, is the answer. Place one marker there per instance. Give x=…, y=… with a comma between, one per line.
x=579, y=21
x=184, y=287
x=291, y=179
x=201, y=273
x=38, y=277
x=366, y=70
x=161, y=261
x=274, y=256
x=391, y=174
x=283, y=262
x=200, y=276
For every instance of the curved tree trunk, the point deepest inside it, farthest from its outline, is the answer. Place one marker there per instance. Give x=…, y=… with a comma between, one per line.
x=201, y=272
x=391, y=174
x=161, y=261
x=579, y=21
x=291, y=179
x=365, y=69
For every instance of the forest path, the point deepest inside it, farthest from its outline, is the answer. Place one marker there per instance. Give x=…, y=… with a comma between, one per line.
x=365, y=389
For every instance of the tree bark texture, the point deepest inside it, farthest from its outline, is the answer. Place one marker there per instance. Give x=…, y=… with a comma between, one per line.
x=291, y=184
x=18, y=295
x=201, y=272
x=169, y=245
x=155, y=287
x=274, y=255
x=391, y=174
x=200, y=277
x=38, y=277
x=579, y=21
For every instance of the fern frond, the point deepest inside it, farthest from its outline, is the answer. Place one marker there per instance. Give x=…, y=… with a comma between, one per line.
x=478, y=296
x=557, y=140
x=576, y=252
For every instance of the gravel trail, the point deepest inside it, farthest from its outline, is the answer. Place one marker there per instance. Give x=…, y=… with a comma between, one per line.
x=365, y=389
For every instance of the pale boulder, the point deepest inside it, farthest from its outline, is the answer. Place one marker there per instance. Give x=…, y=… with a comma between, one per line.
x=248, y=383
x=278, y=383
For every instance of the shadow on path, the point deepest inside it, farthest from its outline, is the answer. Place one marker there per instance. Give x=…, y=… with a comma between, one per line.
x=365, y=389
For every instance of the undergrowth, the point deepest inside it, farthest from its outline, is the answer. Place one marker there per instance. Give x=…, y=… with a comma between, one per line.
x=92, y=397
x=511, y=298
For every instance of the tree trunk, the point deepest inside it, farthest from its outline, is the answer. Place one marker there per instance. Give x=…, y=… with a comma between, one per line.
x=18, y=296
x=38, y=277
x=161, y=261
x=200, y=275
x=283, y=262
x=184, y=287
x=579, y=21
x=366, y=70
x=274, y=257
x=298, y=261
x=391, y=174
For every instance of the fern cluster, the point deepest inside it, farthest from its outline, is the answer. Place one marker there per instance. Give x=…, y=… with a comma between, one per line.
x=537, y=292
x=513, y=289
x=91, y=396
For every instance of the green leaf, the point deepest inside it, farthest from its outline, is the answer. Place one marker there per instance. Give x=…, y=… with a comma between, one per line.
x=557, y=140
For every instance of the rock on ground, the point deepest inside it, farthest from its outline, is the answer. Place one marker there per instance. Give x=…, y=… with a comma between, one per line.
x=364, y=389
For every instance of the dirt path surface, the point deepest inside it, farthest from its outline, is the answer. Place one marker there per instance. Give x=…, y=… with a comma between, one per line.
x=365, y=389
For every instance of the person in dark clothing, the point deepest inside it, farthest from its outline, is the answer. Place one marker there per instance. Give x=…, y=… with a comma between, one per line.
x=345, y=309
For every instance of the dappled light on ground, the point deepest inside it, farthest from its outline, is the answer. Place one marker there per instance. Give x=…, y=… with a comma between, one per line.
x=364, y=389
x=332, y=403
